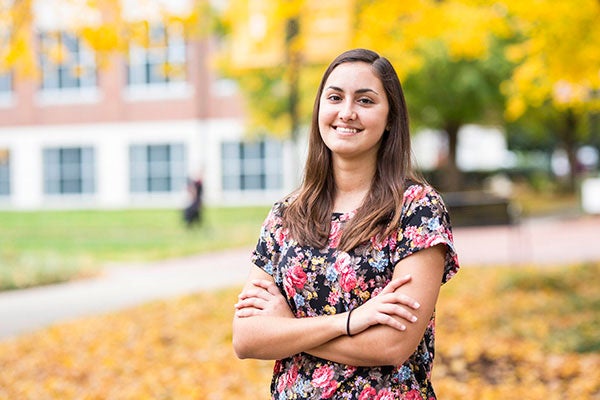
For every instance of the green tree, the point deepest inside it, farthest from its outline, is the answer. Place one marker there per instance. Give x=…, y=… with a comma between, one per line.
x=446, y=94
x=416, y=36
x=557, y=66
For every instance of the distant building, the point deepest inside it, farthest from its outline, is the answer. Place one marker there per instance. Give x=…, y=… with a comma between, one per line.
x=130, y=134
x=480, y=148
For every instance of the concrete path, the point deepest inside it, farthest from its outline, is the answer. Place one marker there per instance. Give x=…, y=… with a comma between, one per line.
x=542, y=242
x=119, y=287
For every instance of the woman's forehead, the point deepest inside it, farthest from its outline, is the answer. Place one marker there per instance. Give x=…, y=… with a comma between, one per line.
x=354, y=76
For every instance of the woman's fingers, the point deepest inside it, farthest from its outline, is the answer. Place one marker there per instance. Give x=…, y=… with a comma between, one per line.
x=267, y=285
x=247, y=312
x=408, y=301
x=386, y=319
x=395, y=284
x=259, y=289
x=262, y=298
x=398, y=311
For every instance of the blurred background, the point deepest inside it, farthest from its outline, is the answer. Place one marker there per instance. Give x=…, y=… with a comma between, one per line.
x=117, y=115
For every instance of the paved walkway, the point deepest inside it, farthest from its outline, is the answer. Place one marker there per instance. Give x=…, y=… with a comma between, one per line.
x=541, y=242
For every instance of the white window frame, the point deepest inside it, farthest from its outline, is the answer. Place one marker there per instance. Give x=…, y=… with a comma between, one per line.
x=6, y=89
x=251, y=166
x=151, y=173
x=5, y=189
x=72, y=80
x=69, y=171
x=148, y=77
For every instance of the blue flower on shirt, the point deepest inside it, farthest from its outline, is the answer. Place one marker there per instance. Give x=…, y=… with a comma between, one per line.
x=404, y=373
x=331, y=274
x=299, y=300
x=433, y=224
x=379, y=261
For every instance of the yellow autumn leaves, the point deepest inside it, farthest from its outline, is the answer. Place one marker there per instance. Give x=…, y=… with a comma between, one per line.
x=177, y=349
x=501, y=334
x=519, y=334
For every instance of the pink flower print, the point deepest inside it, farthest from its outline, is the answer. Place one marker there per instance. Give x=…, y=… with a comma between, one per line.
x=278, y=367
x=295, y=278
x=415, y=235
x=385, y=394
x=414, y=192
x=288, y=379
x=347, y=273
x=329, y=390
x=393, y=240
x=281, y=384
x=378, y=242
x=350, y=370
x=333, y=298
x=376, y=291
x=367, y=393
x=280, y=235
x=335, y=234
x=412, y=395
x=291, y=376
x=322, y=376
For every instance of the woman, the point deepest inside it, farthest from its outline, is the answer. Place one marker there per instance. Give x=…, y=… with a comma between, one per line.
x=347, y=269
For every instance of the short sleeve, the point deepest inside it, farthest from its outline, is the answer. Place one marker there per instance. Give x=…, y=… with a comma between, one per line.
x=268, y=248
x=425, y=222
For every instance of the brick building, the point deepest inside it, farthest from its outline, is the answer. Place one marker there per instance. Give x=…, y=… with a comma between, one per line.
x=130, y=133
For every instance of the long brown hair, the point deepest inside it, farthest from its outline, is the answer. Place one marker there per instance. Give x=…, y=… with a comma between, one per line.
x=308, y=216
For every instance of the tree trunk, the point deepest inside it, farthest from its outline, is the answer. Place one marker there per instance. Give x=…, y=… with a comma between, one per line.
x=569, y=140
x=452, y=179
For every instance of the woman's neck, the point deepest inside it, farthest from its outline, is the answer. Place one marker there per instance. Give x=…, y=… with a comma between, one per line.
x=353, y=182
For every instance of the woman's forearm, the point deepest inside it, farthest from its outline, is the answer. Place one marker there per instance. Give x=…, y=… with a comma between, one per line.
x=273, y=337
x=379, y=345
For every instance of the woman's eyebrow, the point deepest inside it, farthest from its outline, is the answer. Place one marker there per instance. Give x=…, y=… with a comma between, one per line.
x=359, y=91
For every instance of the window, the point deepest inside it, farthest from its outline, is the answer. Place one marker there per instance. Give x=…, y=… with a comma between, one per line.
x=6, y=89
x=69, y=170
x=162, y=62
x=5, y=83
x=252, y=165
x=4, y=172
x=157, y=168
x=66, y=64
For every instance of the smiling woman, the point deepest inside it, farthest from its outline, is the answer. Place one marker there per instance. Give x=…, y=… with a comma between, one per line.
x=355, y=256
x=353, y=118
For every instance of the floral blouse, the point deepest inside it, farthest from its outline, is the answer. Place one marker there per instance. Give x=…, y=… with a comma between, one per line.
x=328, y=281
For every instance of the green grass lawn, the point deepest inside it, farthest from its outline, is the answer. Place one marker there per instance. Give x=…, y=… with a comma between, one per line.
x=52, y=246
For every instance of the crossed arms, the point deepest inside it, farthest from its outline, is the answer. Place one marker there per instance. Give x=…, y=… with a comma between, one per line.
x=264, y=327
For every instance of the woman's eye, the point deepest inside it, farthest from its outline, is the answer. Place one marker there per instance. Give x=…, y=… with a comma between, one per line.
x=334, y=97
x=365, y=100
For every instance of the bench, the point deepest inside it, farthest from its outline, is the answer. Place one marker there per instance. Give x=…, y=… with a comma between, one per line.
x=477, y=208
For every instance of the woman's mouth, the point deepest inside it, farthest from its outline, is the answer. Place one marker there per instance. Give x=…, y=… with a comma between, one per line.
x=346, y=131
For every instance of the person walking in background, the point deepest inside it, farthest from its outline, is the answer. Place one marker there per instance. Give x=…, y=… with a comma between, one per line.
x=192, y=214
x=347, y=268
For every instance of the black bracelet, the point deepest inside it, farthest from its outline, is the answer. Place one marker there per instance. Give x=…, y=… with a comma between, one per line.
x=348, y=323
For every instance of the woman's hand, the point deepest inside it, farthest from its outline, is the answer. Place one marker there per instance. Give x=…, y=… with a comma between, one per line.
x=387, y=308
x=262, y=298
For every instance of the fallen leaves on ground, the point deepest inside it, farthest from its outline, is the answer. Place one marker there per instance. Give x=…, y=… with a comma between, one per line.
x=501, y=334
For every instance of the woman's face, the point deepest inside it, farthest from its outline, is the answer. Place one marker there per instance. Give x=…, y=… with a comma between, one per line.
x=353, y=111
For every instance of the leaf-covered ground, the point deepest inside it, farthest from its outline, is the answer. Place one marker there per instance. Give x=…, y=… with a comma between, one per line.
x=502, y=334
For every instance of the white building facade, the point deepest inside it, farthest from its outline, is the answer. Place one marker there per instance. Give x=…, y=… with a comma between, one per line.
x=132, y=133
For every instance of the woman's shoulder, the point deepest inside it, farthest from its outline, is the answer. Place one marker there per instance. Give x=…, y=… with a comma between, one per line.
x=280, y=205
x=419, y=190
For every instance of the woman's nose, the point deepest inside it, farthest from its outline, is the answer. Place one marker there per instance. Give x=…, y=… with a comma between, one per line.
x=347, y=112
